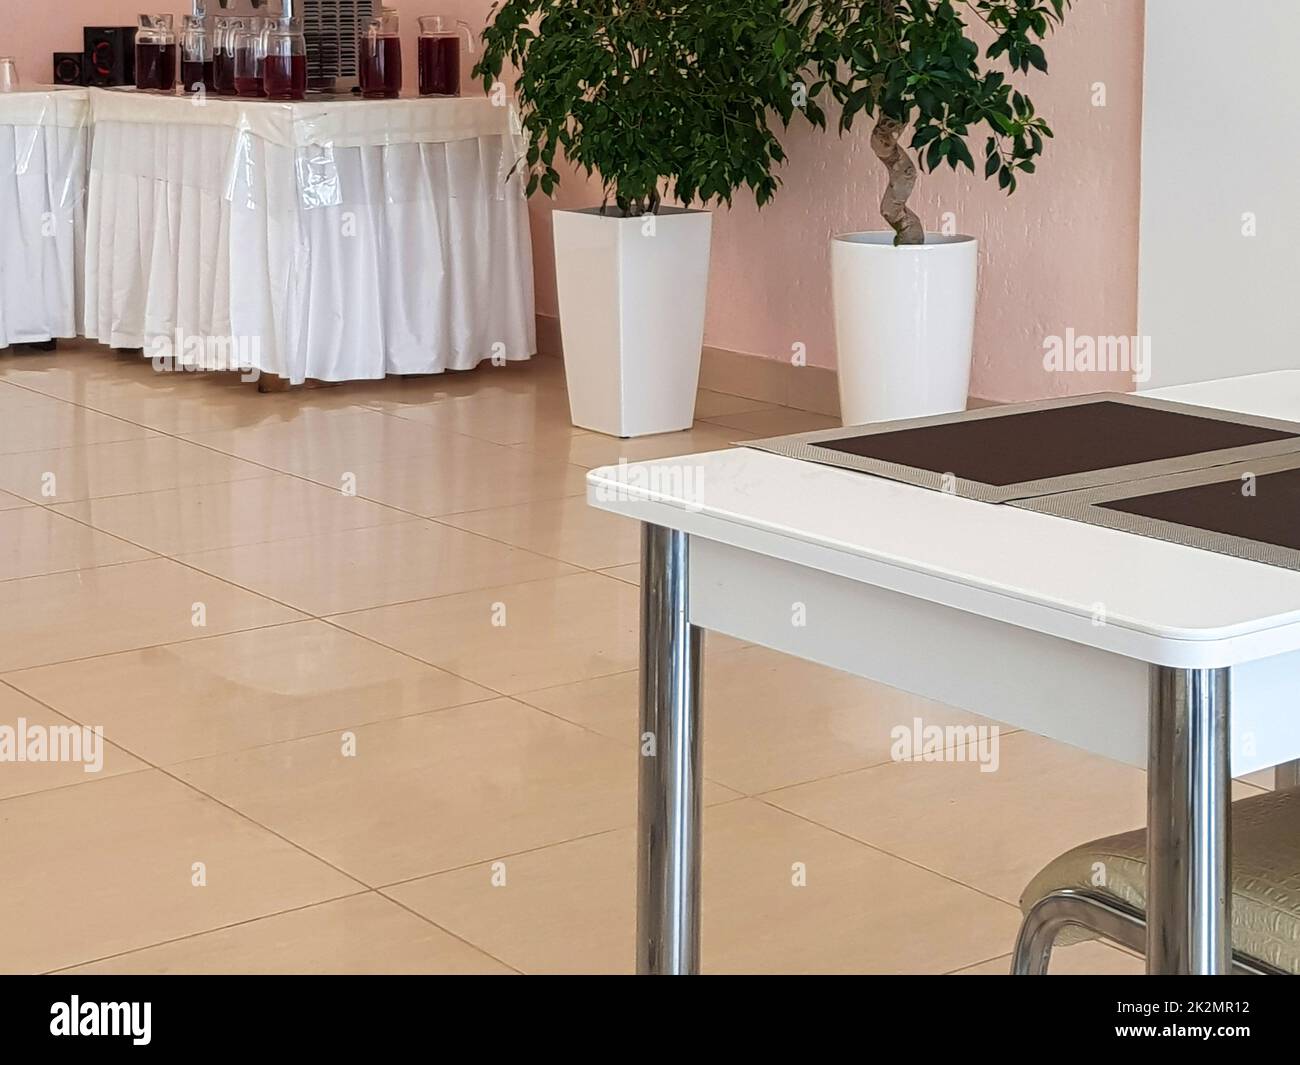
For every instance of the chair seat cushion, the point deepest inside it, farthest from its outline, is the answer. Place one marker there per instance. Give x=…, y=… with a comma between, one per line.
x=1265, y=877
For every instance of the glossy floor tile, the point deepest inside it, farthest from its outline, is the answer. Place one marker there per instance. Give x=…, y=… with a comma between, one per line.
x=33, y=541
x=519, y=637
x=359, y=935
x=365, y=665
x=499, y=417
x=64, y=616
x=992, y=830
x=12, y=502
x=1092, y=958
x=591, y=450
x=326, y=442
x=33, y=427
x=566, y=529
x=209, y=516
x=140, y=858
x=12, y=396
x=182, y=404
x=778, y=421
x=67, y=474
x=539, y=378
x=55, y=751
x=466, y=475
x=710, y=404
x=82, y=371
x=352, y=570
x=842, y=723
x=399, y=799
x=630, y=573
x=228, y=693
x=780, y=895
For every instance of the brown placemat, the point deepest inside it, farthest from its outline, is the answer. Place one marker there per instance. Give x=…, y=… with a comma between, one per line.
x=1022, y=451
x=1037, y=445
x=1271, y=515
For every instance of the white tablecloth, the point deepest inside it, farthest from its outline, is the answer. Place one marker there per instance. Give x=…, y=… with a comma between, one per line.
x=337, y=239
x=43, y=137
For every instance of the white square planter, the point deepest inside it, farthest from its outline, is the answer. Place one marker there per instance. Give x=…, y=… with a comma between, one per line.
x=632, y=294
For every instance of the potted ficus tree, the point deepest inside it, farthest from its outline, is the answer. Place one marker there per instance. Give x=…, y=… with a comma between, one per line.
x=663, y=100
x=905, y=298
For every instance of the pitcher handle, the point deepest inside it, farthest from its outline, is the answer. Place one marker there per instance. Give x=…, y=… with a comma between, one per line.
x=469, y=34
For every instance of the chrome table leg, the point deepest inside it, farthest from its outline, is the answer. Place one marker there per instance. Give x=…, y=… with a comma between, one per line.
x=1189, y=894
x=668, y=830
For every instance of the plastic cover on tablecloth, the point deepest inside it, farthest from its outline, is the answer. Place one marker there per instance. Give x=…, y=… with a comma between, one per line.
x=201, y=141
x=402, y=247
x=43, y=138
x=345, y=121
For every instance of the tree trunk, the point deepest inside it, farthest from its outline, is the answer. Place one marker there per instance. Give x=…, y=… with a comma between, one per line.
x=902, y=177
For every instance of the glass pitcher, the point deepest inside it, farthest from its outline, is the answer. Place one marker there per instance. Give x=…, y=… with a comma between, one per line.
x=379, y=56
x=284, y=75
x=439, y=54
x=196, y=55
x=155, y=53
x=250, y=56
x=223, y=53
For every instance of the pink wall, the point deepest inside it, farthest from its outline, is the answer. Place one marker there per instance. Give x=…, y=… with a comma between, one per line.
x=1061, y=253
x=31, y=31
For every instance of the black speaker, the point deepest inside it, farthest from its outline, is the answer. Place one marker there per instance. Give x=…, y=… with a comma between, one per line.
x=109, y=55
x=67, y=68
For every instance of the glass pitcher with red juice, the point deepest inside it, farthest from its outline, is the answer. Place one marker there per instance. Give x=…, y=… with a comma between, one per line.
x=223, y=53
x=439, y=54
x=250, y=57
x=284, y=75
x=155, y=53
x=379, y=57
x=196, y=55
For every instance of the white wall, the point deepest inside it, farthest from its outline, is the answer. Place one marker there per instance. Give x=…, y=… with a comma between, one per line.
x=1220, y=138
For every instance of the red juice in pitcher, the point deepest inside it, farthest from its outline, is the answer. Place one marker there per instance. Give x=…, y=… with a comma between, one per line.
x=250, y=86
x=223, y=72
x=440, y=66
x=285, y=77
x=155, y=66
x=379, y=67
x=250, y=56
x=250, y=66
x=198, y=72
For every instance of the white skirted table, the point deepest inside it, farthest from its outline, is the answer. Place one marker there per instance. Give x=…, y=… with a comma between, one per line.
x=335, y=239
x=43, y=134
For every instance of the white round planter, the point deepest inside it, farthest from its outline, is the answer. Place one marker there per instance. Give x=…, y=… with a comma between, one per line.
x=632, y=294
x=904, y=319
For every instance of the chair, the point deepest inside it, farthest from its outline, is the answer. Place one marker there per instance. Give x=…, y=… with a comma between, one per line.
x=1098, y=890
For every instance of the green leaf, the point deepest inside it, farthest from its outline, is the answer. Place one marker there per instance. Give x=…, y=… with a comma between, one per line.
x=689, y=96
x=924, y=135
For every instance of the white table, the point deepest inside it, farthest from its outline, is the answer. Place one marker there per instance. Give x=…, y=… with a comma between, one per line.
x=1129, y=647
x=335, y=239
x=42, y=213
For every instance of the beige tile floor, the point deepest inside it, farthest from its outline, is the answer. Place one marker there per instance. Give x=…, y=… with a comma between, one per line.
x=365, y=665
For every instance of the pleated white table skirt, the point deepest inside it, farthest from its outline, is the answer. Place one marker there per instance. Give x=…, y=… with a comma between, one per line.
x=42, y=215
x=223, y=249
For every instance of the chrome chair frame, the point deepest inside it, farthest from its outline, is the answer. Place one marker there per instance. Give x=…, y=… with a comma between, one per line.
x=1102, y=915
